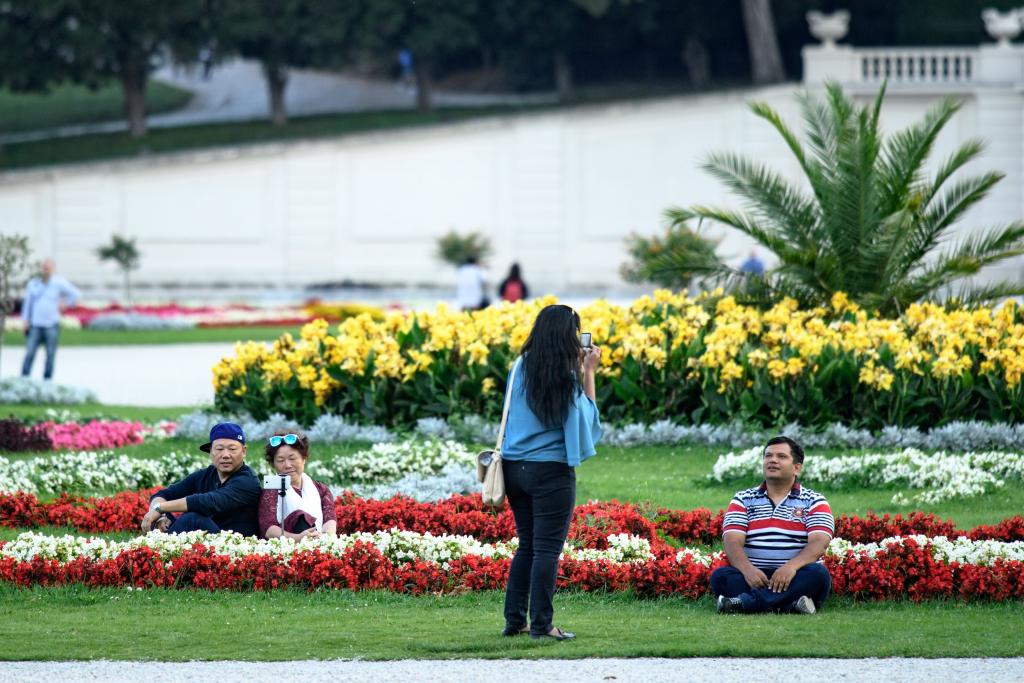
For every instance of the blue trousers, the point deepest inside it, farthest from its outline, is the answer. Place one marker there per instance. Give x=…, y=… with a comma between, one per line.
x=36, y=337
x=193, y=521
x=812, y=581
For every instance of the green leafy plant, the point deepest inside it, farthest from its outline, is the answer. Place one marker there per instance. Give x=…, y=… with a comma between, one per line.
x=125, y=254
x=454, y=248
x=645, y=253
x=14, y=273
x=874, y=224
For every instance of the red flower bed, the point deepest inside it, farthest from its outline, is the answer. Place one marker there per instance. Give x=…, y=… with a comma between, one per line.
x=467, y=515
x=907, y=571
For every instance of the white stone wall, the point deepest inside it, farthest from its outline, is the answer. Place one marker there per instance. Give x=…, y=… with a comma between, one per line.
x=557, y=192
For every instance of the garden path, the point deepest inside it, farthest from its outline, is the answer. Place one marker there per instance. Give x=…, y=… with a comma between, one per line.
x=619, y=670
x=143, y=375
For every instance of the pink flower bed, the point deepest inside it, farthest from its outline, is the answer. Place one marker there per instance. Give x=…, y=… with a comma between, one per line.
x=94, y=434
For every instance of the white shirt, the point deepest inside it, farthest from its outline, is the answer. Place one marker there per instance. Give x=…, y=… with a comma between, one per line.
x=469, y=286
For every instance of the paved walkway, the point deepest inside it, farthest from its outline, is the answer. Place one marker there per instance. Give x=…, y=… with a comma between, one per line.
x=156, y=375
x=577, y=671
x=236, y=91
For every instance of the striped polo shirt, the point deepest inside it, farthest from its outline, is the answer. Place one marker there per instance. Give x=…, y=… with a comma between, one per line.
x=777, y=533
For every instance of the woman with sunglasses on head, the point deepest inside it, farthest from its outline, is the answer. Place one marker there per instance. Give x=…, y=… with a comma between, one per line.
x=553, y=425
x=307, y=508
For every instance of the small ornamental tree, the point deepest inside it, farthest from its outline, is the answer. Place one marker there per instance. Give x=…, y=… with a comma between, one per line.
x=125, y=254
x=454, y=248
x=646, y=253
x=14, y=273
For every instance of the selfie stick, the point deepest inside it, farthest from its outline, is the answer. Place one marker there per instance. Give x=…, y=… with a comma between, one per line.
x=283, y=492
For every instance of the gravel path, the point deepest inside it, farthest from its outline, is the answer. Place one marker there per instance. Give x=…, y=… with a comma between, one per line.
x=150, y=375
x=585, y=670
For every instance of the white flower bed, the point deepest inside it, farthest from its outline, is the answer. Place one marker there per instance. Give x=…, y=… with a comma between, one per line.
x=35, y=391
x=945, y=476
x=402, y=546
x=104, y=471
x=396, y=545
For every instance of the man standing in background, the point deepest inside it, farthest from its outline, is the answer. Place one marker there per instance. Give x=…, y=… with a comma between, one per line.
x=46, y=297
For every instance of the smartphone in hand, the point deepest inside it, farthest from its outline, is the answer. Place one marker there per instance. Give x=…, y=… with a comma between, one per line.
x=585, y=340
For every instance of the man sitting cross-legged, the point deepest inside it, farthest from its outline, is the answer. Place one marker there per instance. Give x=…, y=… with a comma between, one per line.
x=775, y=535
x=223, y=496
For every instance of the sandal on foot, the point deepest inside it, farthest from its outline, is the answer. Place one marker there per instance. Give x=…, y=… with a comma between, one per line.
x=556, y=634
x=513, y=631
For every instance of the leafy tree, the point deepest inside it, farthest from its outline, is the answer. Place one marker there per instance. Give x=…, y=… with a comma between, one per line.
x=874, y=225
x=34, y=35
x=285, y=34
x=14, y=274
x=125, y=254
x=433, y=30
x=646, y=253
x=124, y=40
x=454, y=248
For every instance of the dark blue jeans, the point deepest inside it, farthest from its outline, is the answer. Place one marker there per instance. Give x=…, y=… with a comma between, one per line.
x=812, y=581
x=36, y=337
x=542, y=496
x=192, y=521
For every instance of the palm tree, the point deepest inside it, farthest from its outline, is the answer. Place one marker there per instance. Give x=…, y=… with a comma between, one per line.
x=874, y=224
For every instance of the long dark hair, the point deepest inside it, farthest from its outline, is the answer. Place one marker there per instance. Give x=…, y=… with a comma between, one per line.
x=551, y=364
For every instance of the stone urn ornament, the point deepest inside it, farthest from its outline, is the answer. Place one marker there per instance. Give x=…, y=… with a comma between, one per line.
x=828, y=28
x=1002, y=26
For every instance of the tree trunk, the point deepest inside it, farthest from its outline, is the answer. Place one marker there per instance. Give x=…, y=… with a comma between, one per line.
x=424, y=85
x=133, y=85
x=765, y=57
x=128, y=287
x=563, y=77
x=695, y=57
x=277, y=81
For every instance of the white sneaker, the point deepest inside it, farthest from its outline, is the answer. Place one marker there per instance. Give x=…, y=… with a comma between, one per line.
x=804, y=605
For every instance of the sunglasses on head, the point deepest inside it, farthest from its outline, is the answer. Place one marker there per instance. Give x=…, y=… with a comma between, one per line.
x=276, y=440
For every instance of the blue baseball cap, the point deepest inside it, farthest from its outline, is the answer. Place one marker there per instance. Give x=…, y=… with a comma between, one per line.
x=224, y=430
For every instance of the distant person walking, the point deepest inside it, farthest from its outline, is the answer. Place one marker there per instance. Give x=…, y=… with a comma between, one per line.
x=512, y=288
x=407, y=72
x=470, y=286
x=46, y=297
x=753, y=265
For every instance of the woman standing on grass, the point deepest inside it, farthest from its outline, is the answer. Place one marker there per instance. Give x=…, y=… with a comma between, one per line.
x=552, y=427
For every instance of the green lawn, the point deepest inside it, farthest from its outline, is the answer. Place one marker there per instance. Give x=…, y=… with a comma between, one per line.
x=121, y=145
x=76, y=623
x=198, y=335
x=69, y=104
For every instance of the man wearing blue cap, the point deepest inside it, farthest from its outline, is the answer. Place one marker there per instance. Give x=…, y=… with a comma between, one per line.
x=222, y=497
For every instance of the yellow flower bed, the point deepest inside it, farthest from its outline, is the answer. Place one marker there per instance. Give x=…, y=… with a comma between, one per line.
x=667, y=355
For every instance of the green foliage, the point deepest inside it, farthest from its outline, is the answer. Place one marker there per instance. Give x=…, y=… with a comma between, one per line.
x=454, y=248
x=284, y=34
x=874, y=225
x=14, y=273
x=646, y=252
x=125, y=254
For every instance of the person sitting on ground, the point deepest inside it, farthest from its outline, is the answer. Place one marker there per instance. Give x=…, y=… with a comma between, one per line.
x=307, y=508
x=775, y=536
x=221, y=497
x=513, y=288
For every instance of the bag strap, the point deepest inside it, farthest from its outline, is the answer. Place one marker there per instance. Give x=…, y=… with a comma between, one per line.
x=508, y=399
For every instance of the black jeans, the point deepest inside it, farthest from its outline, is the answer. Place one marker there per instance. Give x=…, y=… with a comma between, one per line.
x=542, y=496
